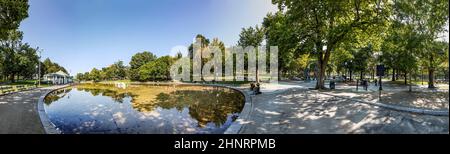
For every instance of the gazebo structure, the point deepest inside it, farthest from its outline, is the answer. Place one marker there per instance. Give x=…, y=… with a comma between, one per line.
x=58, y=78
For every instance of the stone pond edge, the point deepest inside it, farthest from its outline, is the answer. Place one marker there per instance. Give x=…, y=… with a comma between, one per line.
x=234, y=128
x=49, y=127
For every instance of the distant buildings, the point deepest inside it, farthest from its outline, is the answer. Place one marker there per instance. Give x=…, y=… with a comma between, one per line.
x=58, y=78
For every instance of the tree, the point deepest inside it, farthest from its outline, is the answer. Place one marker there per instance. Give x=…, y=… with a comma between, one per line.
x=80, y=77
x=86, y=76
x=217, y=43
x=141, y=58
x=18, y=59
x=12, y=12
x=361, y=59
x=9, y=50
x=328, y=23
x=419, y=24
x=104, y=75
x=437, y=55
x=204, y=43
x=95, y=75
x=1, y=66
x=340, y=60
x=156, y=70
x=279, y=33
x=115, y=71
x=137, y=61
x=27, y=61
x=51, y=67
x=251, y=37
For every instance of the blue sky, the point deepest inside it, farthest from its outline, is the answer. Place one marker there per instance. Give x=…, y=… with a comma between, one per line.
x=82, y=34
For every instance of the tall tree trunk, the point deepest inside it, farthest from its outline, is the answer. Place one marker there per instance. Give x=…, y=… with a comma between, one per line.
x=446, y=75
x=397, y=73
x=322, y=64
x=406, y=81
x=361, y=75
x=373, y=74
x=431, y=78
x=320, y=84
x=393, y=74
x=431, y=73
x=11, y=78
x=351, y=74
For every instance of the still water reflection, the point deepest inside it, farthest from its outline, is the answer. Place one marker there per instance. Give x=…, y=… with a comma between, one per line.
x=169, y=109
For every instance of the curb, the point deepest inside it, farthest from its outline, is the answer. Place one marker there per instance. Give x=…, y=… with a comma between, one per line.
x=49, y=127
x=398, y=108
x=234, y=128
x=237, y=125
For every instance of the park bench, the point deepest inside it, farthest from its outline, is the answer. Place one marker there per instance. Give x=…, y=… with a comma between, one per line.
x=6, y=89
x=21, y=87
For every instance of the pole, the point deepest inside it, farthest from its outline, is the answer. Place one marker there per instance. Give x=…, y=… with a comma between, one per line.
x=357, y=84
x=39, y=74
x=379, y=90
x=421, y=74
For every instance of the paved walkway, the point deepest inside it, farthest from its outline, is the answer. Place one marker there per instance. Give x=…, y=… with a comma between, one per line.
x=18, y=112
x=289, y=108
x=299, y=110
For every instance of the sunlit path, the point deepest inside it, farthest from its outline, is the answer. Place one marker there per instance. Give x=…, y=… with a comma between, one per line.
x=18, y=113
x=304, y=111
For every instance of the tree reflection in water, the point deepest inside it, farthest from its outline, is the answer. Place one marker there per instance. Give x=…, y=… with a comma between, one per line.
x=56, y=95
x=205, y=104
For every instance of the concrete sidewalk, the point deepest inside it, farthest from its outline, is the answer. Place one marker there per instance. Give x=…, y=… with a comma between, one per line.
x=303, y=111
x=18, y=112
x=293, y=108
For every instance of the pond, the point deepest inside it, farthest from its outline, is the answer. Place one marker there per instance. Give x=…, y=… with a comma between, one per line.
x=143, y=109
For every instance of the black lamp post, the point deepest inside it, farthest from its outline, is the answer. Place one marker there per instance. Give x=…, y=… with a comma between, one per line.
x=380, y=73
x=39, y=67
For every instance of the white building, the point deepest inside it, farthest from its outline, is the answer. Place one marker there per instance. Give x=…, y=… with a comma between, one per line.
x=57, y=78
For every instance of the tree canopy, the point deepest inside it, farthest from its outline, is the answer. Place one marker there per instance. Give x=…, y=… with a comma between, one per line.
x=12, y=12
x=322, y=26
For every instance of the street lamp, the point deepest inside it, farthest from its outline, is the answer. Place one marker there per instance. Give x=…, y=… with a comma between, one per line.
x=350, y=69
x=39, y=69
x=380, y=73
x=345, y=65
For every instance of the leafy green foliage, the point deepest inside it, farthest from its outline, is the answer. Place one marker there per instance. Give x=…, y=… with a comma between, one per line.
x=156, y=70
x=95, y=75
x=251, y=36
x=137, y=61
x=322, y=26
x=12, y=12
x=141, y=58
x=52, y=67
